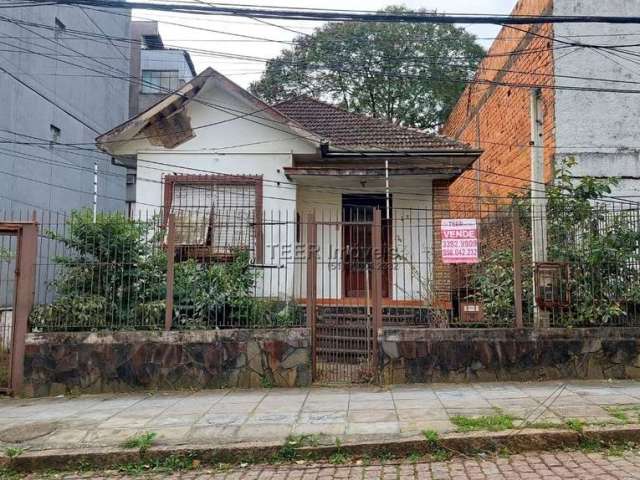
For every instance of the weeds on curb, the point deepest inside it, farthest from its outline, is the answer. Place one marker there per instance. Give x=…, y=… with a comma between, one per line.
x=289, y=451
x=618, y=413
x=385, y=456
x=9, y=474
x=491, y=423
x=172, y=463
x=575, y=424
x=338, y=458
x=13, y=452
x=436, y=450
x=414, y=457
x=590, y=445
x=142, y=442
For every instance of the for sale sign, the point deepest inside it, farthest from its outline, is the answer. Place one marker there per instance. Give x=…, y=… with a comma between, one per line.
x=459, y=240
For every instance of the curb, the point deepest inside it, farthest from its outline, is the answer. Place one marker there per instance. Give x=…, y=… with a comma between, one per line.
x=458, y=443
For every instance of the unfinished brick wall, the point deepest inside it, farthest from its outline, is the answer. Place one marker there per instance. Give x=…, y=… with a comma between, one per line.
x=494, y=114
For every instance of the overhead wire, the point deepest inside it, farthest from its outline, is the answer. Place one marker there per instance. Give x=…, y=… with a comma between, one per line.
x=247, y=112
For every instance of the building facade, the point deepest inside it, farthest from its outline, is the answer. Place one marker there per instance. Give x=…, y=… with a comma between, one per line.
x=61, y=83
x=161, y=70
x=578, y=115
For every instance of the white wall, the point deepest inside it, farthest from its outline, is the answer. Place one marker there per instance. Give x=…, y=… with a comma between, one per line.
x=236, y=147
x=413, y=243
x=411, y=230
x=599, y=128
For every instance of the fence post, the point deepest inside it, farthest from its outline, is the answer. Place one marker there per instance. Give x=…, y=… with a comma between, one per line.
x=25, y=290
x=376, y=282
x=517, y=267
x=171, y=255
x=312, y=286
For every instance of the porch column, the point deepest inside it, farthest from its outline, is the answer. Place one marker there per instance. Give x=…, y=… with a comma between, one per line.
x=441, y=272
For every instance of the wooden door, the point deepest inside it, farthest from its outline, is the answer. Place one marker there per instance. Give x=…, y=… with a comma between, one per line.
x=357, y=248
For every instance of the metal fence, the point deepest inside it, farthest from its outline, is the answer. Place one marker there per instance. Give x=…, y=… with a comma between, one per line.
x=190, y=269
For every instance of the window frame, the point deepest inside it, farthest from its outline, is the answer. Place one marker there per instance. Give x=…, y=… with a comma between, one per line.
x=148, y=88
x=256, y=181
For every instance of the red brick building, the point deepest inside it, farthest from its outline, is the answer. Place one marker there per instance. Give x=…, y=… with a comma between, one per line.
x=493, y=114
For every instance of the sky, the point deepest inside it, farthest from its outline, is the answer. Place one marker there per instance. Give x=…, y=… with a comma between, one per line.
x=178, y=30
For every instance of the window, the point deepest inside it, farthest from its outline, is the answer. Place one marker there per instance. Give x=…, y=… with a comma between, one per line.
x=217, y=213
x=159, y=81
x=55, y=135
x=59, y=28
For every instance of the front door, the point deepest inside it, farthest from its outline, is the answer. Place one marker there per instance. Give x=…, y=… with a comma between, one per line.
x=357, y=257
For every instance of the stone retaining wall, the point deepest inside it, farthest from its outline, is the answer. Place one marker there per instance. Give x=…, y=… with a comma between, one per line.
x=413, y=355
x=58, y=363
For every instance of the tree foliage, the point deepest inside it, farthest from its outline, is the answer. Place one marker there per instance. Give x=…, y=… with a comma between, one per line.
x=406, y=73
x=600, y=243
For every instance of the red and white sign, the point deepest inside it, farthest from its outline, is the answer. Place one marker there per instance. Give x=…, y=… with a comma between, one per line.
x=459, y=240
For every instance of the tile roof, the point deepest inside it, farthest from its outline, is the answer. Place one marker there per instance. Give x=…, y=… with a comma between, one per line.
x=361, y=132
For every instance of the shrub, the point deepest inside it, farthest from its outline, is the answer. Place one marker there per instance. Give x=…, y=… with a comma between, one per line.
x=600, y=244
x=114, y=277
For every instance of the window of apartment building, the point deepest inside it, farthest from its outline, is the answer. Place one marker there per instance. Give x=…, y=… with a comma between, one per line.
x=216, y=215
x=159, y=81
x=55, y=135
x=58, y=28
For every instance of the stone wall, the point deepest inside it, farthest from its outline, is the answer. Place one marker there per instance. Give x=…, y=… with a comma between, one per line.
x=413, y=355
x=58, y=363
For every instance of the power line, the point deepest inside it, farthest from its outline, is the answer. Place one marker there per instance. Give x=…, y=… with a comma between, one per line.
x=350, y=16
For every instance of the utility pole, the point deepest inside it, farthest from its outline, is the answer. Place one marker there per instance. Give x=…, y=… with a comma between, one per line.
x=538, y=199
x=95, y=190
x=386, y=189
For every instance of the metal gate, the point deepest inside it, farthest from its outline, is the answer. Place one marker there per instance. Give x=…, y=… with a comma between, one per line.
x=344, y=295
x=17, y=279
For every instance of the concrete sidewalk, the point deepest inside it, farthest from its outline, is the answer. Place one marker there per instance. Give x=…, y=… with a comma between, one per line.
x=234, y=417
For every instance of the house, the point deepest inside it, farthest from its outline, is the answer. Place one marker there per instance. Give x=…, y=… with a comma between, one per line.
x=238, y=173
x=578, y=94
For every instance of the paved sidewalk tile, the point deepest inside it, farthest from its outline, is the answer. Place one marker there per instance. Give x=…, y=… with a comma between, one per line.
x=219, y=417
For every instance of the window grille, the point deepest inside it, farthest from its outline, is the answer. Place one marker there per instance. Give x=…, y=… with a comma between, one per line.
x=219, y=216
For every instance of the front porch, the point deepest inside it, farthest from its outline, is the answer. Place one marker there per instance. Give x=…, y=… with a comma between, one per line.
x=344, y=236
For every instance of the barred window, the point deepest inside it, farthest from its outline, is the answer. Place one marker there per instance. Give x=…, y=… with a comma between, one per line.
x=219, y=213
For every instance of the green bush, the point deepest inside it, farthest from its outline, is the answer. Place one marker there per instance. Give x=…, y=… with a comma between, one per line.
x=96, y=285
x=601, y=246
x=114, y=277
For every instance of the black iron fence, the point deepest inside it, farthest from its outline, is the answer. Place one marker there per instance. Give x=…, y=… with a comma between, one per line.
x=190, y=269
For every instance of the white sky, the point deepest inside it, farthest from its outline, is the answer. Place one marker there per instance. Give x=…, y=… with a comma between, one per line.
x=245, y=71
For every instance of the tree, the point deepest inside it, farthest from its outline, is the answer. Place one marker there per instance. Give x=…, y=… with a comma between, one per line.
x=409, y=74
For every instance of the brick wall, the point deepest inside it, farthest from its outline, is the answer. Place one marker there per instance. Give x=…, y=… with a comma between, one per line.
x=496, y=118
x=441, y=272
